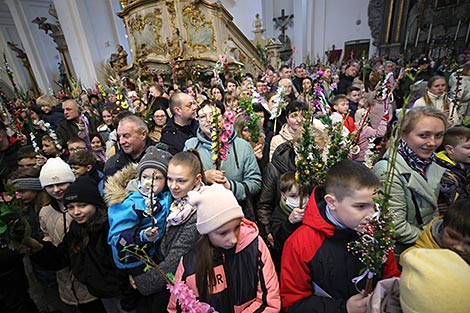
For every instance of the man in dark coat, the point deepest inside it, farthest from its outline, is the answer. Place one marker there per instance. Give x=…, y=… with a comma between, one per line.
x=182, y=125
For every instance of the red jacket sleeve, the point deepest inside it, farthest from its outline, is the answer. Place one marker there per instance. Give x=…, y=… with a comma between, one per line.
x=390, y=267
x=296, y=283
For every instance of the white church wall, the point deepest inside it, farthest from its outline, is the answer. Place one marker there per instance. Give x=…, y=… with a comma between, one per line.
x=345, y=21
x=318, y=24
x=244, y=14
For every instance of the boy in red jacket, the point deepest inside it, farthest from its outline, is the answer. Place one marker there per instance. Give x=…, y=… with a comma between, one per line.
x=316, y=268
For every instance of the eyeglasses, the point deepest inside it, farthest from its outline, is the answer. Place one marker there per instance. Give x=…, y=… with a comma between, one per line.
x=204, y=116
x=77, y=149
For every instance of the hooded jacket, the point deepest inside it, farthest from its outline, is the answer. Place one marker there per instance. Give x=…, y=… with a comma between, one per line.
x=408, y=185
x=54, y=224
x=240, y=166
x=429, y=238
x=455, y=183
x=246, y=278
x=316, y=263
x=126, y=213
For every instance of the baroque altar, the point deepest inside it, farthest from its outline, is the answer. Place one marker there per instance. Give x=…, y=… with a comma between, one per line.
x=167, y=34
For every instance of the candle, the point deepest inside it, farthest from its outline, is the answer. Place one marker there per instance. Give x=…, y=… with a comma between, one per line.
x=406, y=41
x=417, y=36
x=429, y=34
x=468, y=33
x=457, y=31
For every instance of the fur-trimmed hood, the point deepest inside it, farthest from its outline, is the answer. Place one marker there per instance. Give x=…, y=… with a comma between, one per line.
x=116, y=188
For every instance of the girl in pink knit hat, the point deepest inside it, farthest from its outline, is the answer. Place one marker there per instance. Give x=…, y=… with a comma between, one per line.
x=230, y=268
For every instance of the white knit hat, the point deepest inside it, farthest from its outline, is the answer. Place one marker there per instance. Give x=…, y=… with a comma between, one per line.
x=434, y=281
x=56, y=171
x=215, y=206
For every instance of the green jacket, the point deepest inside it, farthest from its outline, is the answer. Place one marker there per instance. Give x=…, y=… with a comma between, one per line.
x=406, y=183
x=240, y=166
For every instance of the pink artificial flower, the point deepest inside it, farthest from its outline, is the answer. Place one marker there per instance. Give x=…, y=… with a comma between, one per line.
x=224, y=138
x=226, y=125
x=333, y=86
x=320, y=73
x=230, y=116
x=223, y=154
x=187, y=299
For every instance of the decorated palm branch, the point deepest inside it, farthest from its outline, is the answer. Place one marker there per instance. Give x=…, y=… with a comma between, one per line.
x=221, y=130
x=318, y=150
x=251, y=118
x=375, y=242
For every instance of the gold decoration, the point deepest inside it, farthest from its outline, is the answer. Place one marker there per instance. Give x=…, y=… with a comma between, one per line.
x=200, y=32
x=146, y=31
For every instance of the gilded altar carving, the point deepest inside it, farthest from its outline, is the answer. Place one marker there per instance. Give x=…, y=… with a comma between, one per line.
x=170, y=7
x=200, y=31
x=168, y=34
x=176, y=45
x=146, y=30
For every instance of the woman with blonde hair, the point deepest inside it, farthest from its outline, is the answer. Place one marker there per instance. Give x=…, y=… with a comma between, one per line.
x=436, y=96
x=415, y=187
x=52, y=110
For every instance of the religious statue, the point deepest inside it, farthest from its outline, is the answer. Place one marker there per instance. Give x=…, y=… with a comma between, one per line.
x=175, y=45
x=118, y=60
x=47, y=27
x=20, y=53
x=283, y=22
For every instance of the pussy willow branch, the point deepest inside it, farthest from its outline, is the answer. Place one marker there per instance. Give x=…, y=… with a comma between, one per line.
x=148, y=260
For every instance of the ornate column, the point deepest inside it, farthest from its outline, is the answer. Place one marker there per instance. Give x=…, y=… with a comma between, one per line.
x=20, y=54
x=72, y=22
x=300, y=31
x=91, y=34
x=23, y=25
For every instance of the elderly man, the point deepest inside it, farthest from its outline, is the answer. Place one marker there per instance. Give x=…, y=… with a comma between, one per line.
x=70, y=127
x=132, y=134
x=182, y=125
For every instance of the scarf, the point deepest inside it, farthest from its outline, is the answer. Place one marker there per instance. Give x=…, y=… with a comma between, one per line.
x=180, y=212
x=416, y=163
x=100, y=155
x=284, y=207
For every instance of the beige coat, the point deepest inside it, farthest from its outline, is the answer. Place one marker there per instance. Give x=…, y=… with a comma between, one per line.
x=54, y=225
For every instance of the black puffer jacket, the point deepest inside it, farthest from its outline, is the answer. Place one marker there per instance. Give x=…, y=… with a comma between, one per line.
x=283, y=161
x=93, y=265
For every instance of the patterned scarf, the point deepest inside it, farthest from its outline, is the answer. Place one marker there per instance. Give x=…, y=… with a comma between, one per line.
x=180, y=212
x=416, y=163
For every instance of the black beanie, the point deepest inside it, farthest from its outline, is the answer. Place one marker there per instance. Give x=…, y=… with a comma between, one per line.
x=85, y=190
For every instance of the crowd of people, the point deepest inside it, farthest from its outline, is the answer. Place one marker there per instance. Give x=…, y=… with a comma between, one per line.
x=110, y=186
